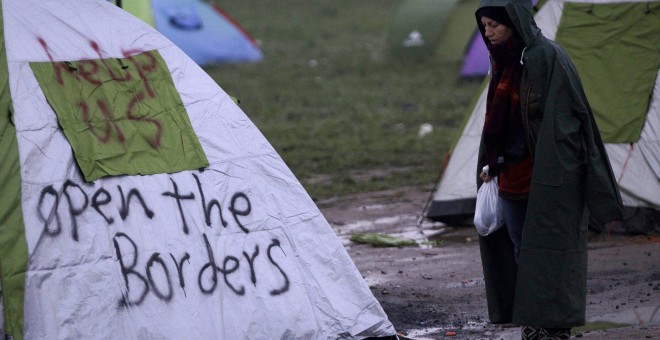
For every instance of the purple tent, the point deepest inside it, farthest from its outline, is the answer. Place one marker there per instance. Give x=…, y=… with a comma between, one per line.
x=476, y=62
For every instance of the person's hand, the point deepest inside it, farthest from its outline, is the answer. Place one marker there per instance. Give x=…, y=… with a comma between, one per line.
x=484, y=177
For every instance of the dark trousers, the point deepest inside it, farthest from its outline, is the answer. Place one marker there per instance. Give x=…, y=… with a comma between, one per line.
x=514, y=217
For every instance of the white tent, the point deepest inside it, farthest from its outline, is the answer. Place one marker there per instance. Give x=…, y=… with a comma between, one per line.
x=636, y=165
x=139, y=202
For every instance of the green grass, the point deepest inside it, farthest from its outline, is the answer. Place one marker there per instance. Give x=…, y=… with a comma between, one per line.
x=335, y=104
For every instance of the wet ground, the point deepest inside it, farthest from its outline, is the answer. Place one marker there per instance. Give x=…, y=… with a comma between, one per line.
x=436, y=290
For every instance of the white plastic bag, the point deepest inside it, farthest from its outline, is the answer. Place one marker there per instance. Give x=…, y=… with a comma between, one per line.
x=488, y=215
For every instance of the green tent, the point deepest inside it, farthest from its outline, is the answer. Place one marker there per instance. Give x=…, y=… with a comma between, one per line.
x=415, y=28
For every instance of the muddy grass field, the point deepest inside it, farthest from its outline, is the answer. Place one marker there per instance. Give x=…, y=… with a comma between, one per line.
x=436, y=290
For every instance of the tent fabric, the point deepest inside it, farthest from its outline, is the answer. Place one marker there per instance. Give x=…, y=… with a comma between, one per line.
x=137, y=121
x=203, y=31
x=476, y=62
x=13, y=247
x=140, y=8
x=454, y=198
x=623, y=40
x=231, y=250
x=457, y=31
x=635, y=165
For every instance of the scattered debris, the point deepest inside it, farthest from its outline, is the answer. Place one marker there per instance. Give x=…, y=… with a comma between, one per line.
x=382, y=240
x=425, y=129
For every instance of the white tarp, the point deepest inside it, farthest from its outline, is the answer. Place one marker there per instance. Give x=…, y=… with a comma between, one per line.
x=143, y=263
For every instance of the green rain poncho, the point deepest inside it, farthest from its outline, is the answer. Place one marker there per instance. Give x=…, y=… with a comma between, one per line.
x=572, y=179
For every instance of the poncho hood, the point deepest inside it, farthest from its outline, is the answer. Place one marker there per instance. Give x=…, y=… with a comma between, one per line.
x=521, y=16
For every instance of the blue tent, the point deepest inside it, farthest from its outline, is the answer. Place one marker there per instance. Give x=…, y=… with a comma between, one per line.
x=201, y=29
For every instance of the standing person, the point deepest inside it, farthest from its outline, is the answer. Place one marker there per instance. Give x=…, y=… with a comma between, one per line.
x=541, y=140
